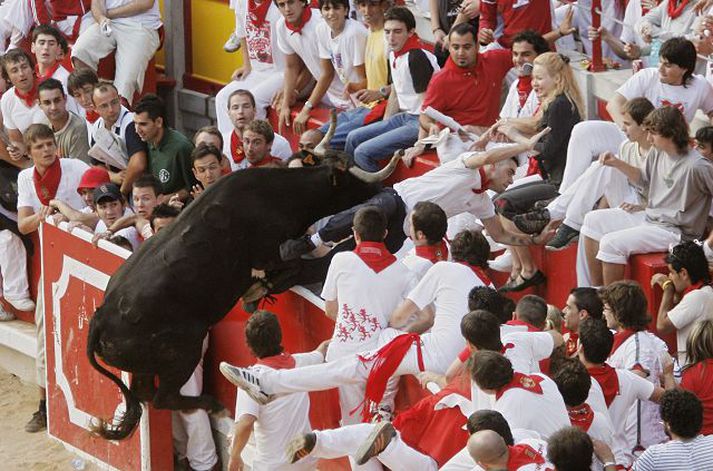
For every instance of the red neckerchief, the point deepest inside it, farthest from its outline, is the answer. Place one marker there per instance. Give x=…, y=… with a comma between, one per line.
x=581, y=417
x=506, y=347
x=484, y=182
x=674, y=11
x=236, y=148
x=92, y=116
x=384, y=363
x=522, y=381
x=50, y=72
x=283, y=361
x=619, y=338
x=46, y=185
x=530, y=327
x=375, y=255
x=607, y=378
x=521, y=455
x=306, y=15
x=571, y=344
x=433, y=253
x=258, y=13
x=479, y=272
x=413, y=42
x=524, y=87
x=267, y=160
x=693, y=287
x=30, y=97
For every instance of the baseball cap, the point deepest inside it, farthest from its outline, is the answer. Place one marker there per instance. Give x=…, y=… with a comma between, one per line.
x=92, y=178
x=107, y=190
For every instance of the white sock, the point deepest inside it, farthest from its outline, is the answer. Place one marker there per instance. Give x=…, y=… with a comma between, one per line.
x=316, y=239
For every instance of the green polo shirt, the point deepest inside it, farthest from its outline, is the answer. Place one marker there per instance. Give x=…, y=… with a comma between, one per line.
x=170, y=162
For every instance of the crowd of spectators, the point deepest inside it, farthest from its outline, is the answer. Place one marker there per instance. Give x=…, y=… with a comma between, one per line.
x=495, y=100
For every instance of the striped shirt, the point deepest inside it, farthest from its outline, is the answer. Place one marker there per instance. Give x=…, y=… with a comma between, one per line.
x=676, y=455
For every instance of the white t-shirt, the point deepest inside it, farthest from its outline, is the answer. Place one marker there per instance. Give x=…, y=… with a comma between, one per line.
x=306, y=45
x=697, y=94
x=511, y=108
x=72, y=171
x=544, y=413
x=410, y=101
x=279, y=421
x=600, y=429
x=16, y=115
x=151, y=18
x=262, y=41
x=526, y=349
x=418, y=265
x=631, y=388
x=650, y=350
x=366, y=300
x=451, y=187
x=447, y=285
x=280, y=148
x=346, y=51
x=694, y=306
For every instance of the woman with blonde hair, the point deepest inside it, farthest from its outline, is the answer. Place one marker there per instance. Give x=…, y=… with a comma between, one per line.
x=697, y=375
x=560, y=108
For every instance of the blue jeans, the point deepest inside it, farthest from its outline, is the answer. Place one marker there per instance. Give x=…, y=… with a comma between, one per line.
x=375, y=142
x=347, y=121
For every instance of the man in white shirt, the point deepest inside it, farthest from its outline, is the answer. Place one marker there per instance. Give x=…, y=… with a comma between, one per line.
x=529, y=401
x=242, y=111
x=127, y=27
x=263, y=63
x=274, y=424
x=490, y=452
x=50, y=177
x=49, y=47
x=362, y=289
x=428, y=224
x=688, y=280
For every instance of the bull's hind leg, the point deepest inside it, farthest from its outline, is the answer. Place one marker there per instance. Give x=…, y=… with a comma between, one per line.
x=143, y=386
x=168, y=395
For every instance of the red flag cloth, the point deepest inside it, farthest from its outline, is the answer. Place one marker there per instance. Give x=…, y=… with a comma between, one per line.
x=607, y=378
x=413, y=42
x=377, y=112
x=30, y=97
x=676, y=8
x=306, y=16
x=385, y=362
x=258, y=13
x=479, y=272
x=524, y=87
x=282, y=361
x=522, y=381
x=46, y=185
x=375, y=255
x=619, y=338
x=581, y=417
x=521, y=455
x=92, y=116
x=236, y=148
x=433, y=253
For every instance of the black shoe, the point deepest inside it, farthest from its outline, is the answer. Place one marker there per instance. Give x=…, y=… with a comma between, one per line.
x=532, y=222
x=37, y=423
x=563, y=238
x=537, y=279
x=295, y=248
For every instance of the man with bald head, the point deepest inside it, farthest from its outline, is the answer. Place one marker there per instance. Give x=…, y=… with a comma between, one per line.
x=489, y=450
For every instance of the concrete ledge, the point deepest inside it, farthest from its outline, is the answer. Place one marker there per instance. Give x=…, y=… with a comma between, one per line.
x=18, y=348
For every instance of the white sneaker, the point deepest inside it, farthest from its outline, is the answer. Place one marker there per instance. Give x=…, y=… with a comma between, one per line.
x=23, y=305
x=232, y=44
x=6, y=316
x=502, y=263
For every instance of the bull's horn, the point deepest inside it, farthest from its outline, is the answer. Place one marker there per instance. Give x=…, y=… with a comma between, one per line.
x=321, y=148
x=381, y=175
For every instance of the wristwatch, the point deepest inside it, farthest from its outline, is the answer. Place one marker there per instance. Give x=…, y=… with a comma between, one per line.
x=384, y=92
x=309, y=105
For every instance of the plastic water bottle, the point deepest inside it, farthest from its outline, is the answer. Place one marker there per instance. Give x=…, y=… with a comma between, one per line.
x=78, y=464
x=654, y=54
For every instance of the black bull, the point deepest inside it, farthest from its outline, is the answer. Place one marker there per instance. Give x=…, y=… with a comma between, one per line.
x=160, y=304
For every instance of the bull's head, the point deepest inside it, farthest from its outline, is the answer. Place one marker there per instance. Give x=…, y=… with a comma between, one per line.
x=343, y=161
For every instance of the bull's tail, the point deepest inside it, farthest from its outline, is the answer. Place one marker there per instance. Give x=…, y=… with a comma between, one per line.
x=130, y=419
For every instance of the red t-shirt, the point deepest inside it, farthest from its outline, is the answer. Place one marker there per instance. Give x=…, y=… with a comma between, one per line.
x=699, y=380
x=470, y=96
x=518, y=15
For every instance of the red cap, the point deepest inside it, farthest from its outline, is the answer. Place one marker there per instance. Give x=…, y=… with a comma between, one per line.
x=92, y=178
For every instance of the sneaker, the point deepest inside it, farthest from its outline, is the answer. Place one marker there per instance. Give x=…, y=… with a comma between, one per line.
x=381, y=414
x=22, y=305
x=232, y=44
x=245, y=380
x=564, y=237
x=300, y=447
x=376, y=442
x=502, y=263
x=294, y=248
x=532, y=222
x=37, y=423
x=6, y=316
